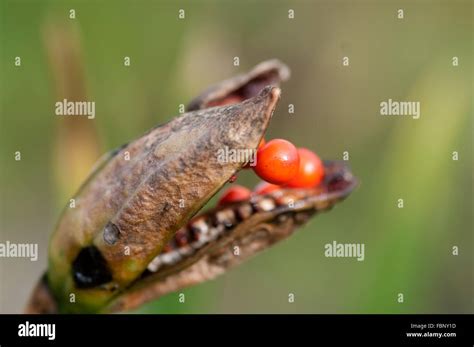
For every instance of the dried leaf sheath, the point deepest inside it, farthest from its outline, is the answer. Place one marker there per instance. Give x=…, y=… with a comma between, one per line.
x=139, y=199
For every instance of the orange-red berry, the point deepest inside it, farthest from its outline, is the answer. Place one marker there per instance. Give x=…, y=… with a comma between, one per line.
x=264, y=188
x=277, y=161
x=311, y=170
x=234, y=194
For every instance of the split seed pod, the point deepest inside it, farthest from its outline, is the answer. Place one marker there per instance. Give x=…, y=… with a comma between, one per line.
x=128, y=211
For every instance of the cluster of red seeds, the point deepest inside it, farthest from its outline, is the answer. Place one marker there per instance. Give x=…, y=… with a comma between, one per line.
x=281, y=165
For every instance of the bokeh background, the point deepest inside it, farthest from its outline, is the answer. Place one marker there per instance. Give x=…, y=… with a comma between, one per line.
x=407, y=250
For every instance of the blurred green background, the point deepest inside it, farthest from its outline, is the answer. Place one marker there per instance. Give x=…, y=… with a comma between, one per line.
x=407, y=250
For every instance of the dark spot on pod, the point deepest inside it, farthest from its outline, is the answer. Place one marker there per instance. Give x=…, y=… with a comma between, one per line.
x=214, y=222
x=337, y=182
x=146, y=273
x=180, y=238
x=90, y=268
x=111, y=233
x=195, y=232
x=336, y=178
x=166, y=207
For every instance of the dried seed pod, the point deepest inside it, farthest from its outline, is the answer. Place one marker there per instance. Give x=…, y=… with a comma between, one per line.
x=126, y=241
x=129, y=209
x=271, y=220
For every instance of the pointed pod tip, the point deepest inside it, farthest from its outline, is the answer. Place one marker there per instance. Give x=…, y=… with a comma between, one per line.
x=271, y=95
x=275, y=93
x=272, y=91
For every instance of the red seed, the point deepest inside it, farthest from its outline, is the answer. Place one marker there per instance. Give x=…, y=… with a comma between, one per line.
x=277, y=162
x=265, y=188
x=311, y=170
x=234, y=194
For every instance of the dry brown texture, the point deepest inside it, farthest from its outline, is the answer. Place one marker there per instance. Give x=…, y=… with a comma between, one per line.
x=244, y=86
x=141, y=196
x=129, y=209
x=184, y=166
x=252, y=236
